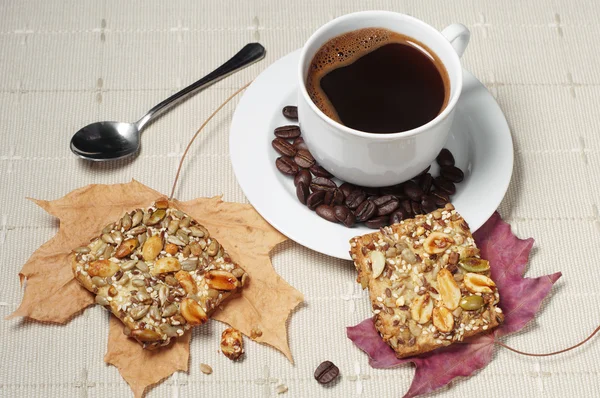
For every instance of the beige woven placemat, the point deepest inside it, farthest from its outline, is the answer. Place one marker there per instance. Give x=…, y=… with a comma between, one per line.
x=64, y=64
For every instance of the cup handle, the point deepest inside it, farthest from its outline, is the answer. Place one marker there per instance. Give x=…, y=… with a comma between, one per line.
x=458, y=35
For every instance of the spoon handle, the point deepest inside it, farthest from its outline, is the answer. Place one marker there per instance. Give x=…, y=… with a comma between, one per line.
x=251, y=53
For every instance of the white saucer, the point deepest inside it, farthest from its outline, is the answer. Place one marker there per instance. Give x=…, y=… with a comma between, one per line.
x=480, y=141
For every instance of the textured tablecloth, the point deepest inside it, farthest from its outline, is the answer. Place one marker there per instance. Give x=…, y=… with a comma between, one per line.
x=64, y=64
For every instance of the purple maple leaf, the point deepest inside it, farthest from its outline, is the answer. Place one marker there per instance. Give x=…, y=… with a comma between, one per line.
x=520, y=299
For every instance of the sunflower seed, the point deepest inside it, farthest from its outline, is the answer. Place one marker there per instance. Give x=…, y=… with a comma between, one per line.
x=126, y=222
x=142, y=266
x=98, y=281
x=137, y=282
x=173, y=227
x=82, y=250
x=107, y=238
x=137, y=218
x=101, y=300
x=138, y=313
x=175, y=240
x=206, y=369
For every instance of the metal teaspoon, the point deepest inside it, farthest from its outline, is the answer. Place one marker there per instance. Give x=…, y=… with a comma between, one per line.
x=102, y=141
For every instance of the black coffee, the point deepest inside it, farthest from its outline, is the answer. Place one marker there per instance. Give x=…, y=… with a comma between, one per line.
x=378, y=81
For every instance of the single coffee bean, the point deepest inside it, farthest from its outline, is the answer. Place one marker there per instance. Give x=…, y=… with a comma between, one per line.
x=286, y=165
x=412, y=190
x=416, y=208
x=346, y=188
x=344, y=215
x=319, y=171
x=428, y=204
x=386, y=204
x=365, y=211
x=315, y=199
x=326, y=372
x=283, y=147
x=398, y=216
x=326, y=212
x=302, y=192
x=452, y=173
x=441, y=198
x=304, y=159
x=445, y=158
x=334, y=198
x=423, y=172
x=299, y=143
x=444, y=185
x=303, y=176
x=355, y=199
x=291, y=112
x=407, y=207
x=377, y=222
x=287, y=132
x=425, y=182
x=322, y=184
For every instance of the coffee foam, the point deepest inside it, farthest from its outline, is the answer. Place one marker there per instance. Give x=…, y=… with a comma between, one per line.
x=344, y=50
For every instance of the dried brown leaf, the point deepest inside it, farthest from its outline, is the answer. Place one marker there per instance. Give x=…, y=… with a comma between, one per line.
x=53, y=295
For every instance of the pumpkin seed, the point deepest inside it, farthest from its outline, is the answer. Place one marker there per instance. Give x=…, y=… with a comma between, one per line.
x=474, y=264
x=471, y=303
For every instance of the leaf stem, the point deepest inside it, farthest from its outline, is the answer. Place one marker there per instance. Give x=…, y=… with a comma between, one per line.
x=551, y=353
x=198, y=132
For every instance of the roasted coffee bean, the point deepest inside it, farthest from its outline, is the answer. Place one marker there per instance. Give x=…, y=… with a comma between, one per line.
x=377, y=222
x=386, y=204
x=445, y=158
x=428, y=204
x=416, y=208
x=365, y=211
x=326, y=372
x=286, y=165
x=300, y=144
x=303, y=176
x=355, y=199
x=290, y=111
x=441, y=198
x=304, y=159
x=287, y=132
x=452, y=173
x=319, y=171
x=346, y=188
x=326, y=212
x=283, y=147
x=315, y=199
x=444, y=185
x=344, y=215
x=425, y=182
x=407, y=207
x=398, y=216
x=302, y=192
x=322, y=184
x=412, y=190
x=334, y=198
x=423, y=172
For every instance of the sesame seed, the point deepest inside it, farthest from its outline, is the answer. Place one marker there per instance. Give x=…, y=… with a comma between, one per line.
x=485, y=327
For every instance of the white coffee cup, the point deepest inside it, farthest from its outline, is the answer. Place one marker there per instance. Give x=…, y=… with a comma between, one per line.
x=376, y=160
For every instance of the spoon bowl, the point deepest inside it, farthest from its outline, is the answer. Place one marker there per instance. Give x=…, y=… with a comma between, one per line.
x=106, y=141
x=103, y=141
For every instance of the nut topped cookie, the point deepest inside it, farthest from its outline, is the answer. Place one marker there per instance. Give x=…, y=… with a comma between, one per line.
x=427, y=284
x=159, y=271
